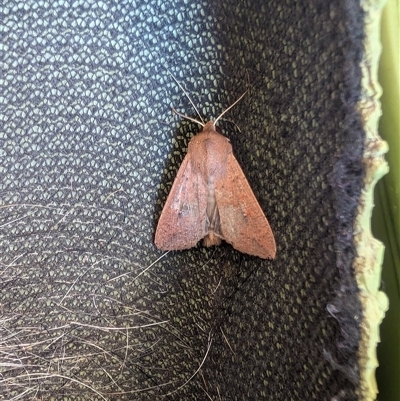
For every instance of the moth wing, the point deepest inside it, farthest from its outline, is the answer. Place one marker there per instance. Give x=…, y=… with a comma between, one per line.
x=183, y=221
x=242, y=221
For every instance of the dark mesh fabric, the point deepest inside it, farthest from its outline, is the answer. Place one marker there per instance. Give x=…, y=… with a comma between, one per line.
x=89, y=150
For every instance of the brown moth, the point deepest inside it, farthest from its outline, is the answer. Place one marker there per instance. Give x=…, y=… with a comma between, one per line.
x=211, y=199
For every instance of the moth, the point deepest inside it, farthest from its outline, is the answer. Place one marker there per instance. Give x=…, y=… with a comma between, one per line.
x=211, y=199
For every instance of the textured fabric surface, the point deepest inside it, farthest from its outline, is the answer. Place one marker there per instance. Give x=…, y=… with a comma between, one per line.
x=89, y=150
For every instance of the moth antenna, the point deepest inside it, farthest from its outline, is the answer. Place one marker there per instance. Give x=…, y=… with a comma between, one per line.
x=191, y=102
x=188, y=118
x=237, y=101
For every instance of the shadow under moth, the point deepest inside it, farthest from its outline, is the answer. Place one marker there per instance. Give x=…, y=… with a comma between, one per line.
x=211, y=199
